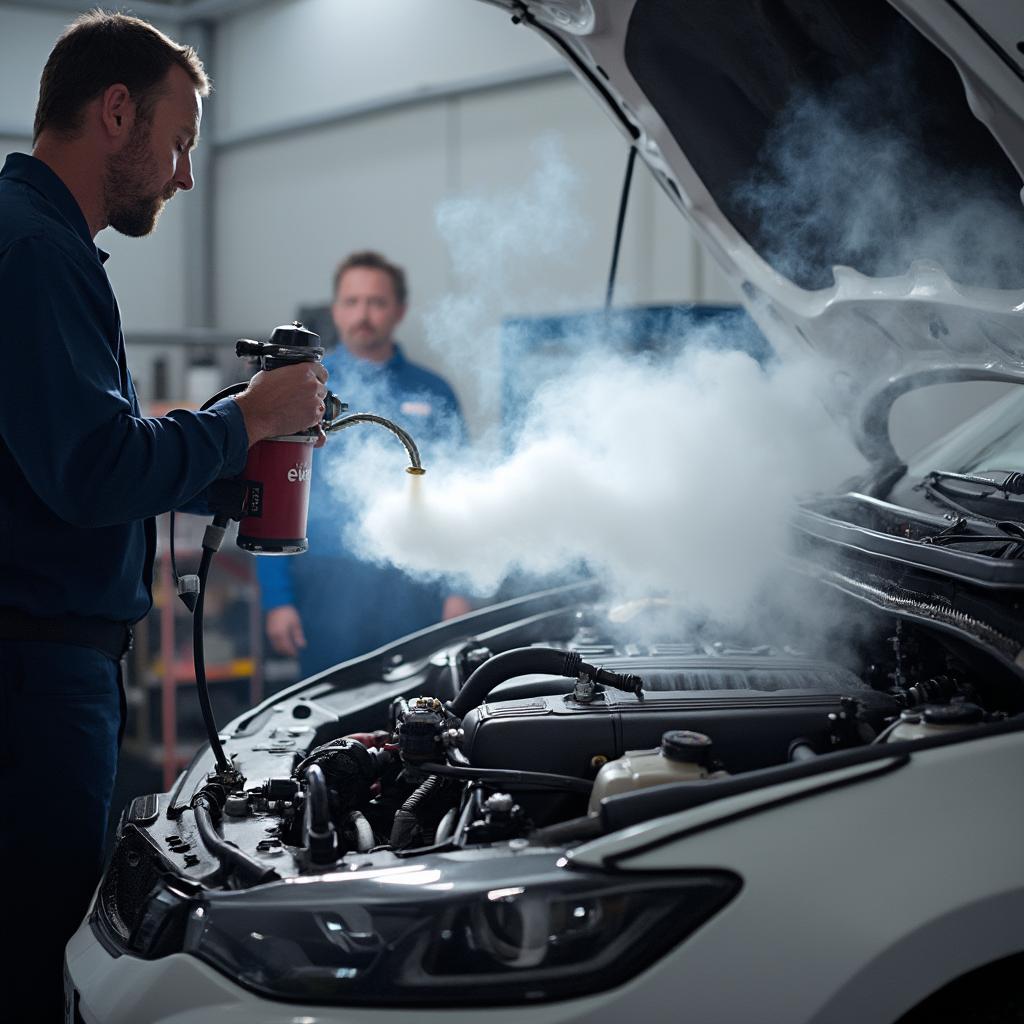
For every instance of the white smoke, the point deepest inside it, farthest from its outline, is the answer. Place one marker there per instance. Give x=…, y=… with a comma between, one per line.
x=857, y=175
x=677, y=477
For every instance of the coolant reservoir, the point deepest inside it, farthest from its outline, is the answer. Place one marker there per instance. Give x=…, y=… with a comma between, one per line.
x=682, y=757
x=935, y=720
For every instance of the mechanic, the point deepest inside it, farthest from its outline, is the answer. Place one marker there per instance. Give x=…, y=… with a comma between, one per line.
x=83, y=472
x=327, y=605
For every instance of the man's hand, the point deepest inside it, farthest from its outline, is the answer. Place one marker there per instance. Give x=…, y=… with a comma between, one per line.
x=454, y=606
x=284, y=629
x=284, y=401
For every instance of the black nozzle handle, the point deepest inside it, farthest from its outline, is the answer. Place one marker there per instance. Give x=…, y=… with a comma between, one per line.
x=272, y=356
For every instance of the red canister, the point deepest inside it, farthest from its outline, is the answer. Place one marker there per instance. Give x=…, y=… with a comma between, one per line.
x=277, y=478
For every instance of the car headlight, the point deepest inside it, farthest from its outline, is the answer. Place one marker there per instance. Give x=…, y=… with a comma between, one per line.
x=440, y=936
x=140, y=908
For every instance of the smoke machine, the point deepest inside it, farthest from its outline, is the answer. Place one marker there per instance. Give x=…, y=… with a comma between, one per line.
x=270, y=499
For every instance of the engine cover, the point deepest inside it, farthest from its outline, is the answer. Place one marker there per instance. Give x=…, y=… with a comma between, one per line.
x=750, y=727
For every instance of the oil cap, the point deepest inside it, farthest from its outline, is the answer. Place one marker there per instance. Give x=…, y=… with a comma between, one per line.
x=960, y=713
x=683, y=745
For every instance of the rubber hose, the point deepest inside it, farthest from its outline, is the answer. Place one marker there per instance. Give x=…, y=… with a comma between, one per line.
x=199, y=657
x=406, y=824
x=365, y=840
x=247, y=870
x=510, y=778
x=320, y=834
x=319, y=801
x=518, y=662
x=446, y=826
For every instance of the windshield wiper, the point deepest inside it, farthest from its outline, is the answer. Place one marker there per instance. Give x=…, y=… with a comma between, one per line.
x=1007, y=489
x=1010, y=536
x=1012, y=482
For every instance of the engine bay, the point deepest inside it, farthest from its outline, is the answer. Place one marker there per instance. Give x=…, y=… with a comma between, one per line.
x=542, y=731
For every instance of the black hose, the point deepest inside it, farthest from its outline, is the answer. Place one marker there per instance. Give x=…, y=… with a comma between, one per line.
x=317, y=799
x=199, y=656
x=247, y=870
x=316, y=822
x=510, y=778
x=522, y=661
x=472, y=807
x=574, y=830
x=517, y=662
x=406, y=826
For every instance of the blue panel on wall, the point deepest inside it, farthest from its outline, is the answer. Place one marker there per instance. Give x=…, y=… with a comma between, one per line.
x=537, y=349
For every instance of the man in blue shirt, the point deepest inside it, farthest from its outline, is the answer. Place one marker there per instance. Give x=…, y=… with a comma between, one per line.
x=83, y=471
x=327, y=605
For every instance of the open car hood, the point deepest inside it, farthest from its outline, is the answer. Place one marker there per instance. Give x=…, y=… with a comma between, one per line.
x=855, y=166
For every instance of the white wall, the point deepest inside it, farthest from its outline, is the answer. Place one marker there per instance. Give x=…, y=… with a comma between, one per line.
x=295, y=59
x=147, y=273
x=286, y=211
x=26, y=38
x=287, y=208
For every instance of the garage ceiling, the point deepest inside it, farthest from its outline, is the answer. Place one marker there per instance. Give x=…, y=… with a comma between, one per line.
x=176, y=11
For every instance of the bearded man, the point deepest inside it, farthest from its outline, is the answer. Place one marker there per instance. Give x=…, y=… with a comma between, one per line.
x=84, y=472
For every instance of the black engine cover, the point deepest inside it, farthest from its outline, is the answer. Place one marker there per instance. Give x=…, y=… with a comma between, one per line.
x=750, y=728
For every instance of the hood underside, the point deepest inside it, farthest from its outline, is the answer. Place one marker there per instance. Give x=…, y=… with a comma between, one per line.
x=854, y=165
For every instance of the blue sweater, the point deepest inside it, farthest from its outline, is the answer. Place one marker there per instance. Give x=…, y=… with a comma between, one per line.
x=349, y=606
x=83, y=471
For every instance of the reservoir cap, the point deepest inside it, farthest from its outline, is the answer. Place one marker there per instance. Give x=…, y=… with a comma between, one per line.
x=960, y=713
x=683, y=745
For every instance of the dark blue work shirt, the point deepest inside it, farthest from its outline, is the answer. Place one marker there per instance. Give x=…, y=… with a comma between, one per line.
x=349, y=606
x=82, y=471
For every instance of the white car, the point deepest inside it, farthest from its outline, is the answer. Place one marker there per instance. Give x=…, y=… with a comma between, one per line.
x=558, y=810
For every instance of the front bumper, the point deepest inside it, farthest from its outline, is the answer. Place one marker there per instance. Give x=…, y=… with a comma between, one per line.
x=181, y=989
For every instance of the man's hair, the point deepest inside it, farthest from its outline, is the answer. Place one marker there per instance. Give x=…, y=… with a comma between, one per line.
x=374, y=261
x=98, y=50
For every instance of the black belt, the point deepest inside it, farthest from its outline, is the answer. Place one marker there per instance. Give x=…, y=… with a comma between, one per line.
x=114, y=639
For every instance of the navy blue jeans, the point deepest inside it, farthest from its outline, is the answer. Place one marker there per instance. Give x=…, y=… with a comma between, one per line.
x=60, y=718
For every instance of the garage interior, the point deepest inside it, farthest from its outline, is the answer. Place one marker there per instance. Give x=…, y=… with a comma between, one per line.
x=341, y=144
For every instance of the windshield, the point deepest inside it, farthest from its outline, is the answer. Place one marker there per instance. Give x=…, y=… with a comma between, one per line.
x=993, y=439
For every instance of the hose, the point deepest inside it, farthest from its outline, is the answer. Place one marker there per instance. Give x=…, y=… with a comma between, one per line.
x=317, y=799
x=199, y=656
x=522, y=661
x=365, y=840
x=247, y=870
x=316, y=823
x=446, y=826
x=575, y=830
x=406, y=824
x=510, y=778
x=415, y=467
x=801, y=750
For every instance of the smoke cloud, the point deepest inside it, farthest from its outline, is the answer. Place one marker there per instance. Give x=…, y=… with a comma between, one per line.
x=677, y=479
x=674, y=475
x=870, y=174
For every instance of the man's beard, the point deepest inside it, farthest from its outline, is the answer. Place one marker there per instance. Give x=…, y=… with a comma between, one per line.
x=131, y=209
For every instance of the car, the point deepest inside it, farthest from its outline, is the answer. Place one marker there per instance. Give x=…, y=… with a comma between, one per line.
x=561, y=808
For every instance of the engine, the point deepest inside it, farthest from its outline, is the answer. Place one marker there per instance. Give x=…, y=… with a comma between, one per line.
x=555, y=727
